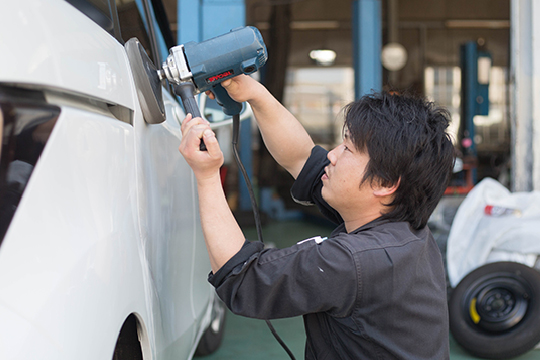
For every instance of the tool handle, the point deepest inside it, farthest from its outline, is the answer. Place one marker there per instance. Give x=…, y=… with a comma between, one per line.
x=230, y=107
x=186, y=91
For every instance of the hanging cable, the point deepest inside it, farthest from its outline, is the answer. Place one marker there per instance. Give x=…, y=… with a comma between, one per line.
x=256, y=215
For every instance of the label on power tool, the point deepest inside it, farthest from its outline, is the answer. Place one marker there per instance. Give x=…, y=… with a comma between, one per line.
x=221, y=76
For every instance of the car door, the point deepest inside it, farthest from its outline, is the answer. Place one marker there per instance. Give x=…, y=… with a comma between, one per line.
x=69, y=261
x=174, y=244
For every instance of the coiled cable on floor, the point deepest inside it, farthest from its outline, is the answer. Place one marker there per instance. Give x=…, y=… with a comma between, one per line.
x=256, y=215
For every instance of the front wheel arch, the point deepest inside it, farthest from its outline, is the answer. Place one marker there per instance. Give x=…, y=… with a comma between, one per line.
x=131, y=343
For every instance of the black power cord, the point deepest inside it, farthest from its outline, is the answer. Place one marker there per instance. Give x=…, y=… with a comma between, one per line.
x=256, y=215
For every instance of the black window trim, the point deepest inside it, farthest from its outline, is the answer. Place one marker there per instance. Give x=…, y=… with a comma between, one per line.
x=96, y=14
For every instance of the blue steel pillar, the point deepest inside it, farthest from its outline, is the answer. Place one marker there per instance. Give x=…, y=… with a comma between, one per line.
x=469, y=79
x=474, y=95
x=367, y=45
x=246, y=156
x=200, y=20
x=189, y=21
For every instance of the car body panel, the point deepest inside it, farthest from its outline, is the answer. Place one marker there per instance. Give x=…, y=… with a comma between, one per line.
x=69, y=251
x=53, y=44
x=108, y=224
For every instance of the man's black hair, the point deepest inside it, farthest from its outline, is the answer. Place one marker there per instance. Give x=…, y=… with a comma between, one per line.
x=407, y=143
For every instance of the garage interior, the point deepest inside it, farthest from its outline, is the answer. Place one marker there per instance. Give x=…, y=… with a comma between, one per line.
x=434, y=35
x=431, y=32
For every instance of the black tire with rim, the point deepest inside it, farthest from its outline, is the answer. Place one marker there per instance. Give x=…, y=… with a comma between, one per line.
x=213, y=335
x=495, y=310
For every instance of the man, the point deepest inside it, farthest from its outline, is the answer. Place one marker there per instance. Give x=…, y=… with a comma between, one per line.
x=376, y=288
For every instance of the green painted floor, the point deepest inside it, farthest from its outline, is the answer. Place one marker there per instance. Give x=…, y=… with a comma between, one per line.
x=251, y=339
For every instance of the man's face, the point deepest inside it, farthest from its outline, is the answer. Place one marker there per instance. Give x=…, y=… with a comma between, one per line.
x=341, y=181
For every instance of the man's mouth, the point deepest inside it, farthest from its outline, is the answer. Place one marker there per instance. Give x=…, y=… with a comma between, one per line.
x=325, y=175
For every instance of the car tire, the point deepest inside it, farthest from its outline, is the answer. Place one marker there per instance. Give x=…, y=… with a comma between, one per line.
x=495, y=310
x=213, y=334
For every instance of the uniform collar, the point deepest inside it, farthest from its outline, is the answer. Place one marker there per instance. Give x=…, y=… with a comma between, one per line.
x=373, y=223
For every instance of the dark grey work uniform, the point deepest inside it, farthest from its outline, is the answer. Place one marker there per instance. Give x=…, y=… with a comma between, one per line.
x=375, y=293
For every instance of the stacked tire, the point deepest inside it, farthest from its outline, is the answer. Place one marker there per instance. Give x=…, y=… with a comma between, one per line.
x=495, y=310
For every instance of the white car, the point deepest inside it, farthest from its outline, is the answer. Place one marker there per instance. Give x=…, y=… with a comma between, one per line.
x=101, y=250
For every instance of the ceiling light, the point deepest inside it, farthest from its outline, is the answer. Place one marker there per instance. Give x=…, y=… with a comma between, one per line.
x=323, y=57
x=393, y=56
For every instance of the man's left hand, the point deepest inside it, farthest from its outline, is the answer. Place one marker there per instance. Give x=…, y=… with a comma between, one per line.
x=205, y=163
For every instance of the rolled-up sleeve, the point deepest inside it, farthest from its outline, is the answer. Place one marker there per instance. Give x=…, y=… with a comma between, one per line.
x=279, y=283
x=249, y=250
x=307, y=188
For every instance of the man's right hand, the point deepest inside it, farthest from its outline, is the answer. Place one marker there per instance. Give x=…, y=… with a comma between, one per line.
x=241, y=88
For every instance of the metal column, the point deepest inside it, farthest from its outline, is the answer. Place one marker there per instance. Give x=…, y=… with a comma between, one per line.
x=469, y=70
x=189, y=21
x=367, y=44
x=199, y=20
x=525, y=92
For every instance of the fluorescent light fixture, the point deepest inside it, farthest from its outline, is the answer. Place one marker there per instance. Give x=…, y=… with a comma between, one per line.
x=323, y=57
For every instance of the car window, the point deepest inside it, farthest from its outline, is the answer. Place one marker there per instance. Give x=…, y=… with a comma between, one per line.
x=98, y=10
x=27, y=120
x=132, y=24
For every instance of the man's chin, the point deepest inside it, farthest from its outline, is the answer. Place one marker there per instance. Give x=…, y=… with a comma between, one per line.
x=325, y=197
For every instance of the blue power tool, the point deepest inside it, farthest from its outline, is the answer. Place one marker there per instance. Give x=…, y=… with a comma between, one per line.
x=193, y=67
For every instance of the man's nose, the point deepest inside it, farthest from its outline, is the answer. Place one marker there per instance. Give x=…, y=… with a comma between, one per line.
x=332, y=156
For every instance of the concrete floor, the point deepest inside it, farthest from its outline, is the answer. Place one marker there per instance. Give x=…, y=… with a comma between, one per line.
x=251, y=339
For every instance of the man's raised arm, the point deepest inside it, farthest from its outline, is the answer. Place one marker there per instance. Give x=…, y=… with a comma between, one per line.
x=283, y=135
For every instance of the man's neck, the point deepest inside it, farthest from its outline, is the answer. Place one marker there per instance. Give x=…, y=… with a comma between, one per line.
x=353, y=223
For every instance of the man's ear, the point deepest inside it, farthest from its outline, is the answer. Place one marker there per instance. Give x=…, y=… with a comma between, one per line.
x=380, y=190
